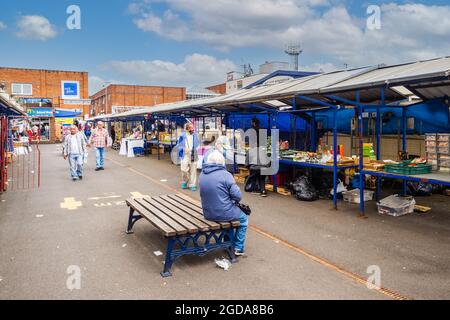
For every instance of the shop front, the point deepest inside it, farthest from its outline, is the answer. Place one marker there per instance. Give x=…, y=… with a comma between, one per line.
x=42, y=124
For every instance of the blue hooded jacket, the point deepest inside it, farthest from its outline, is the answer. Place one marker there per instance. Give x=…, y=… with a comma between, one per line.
x=219, y=193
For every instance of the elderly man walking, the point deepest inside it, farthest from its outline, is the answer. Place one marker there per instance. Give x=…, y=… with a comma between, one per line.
x=74, y=149
x=99, y=139
x=187, y=152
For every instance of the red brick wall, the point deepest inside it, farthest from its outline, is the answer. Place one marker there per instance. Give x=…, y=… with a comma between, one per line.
x=132, y=96
x=218, y=88
x=47, y=84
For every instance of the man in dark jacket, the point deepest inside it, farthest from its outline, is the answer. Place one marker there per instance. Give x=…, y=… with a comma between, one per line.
x=219, y=194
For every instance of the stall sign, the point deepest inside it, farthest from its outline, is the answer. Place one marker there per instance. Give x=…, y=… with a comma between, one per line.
x=40, y=112
x=70, y=89
x=64, y=121
x=38, y=102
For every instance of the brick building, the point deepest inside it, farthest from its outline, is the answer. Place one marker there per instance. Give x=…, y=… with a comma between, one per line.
x=117, y=98
x=218, y=88
x=41, y=92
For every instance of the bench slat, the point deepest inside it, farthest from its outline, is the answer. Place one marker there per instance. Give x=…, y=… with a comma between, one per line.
x=194, y=220
x=187, y=224
x=212, y=225
x=199, y=205
x=187, y=203
x=162, y=216
x=191, y=200
x=160, y=225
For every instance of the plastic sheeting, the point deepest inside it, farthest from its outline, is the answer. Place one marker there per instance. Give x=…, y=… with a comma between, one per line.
x=429, y=117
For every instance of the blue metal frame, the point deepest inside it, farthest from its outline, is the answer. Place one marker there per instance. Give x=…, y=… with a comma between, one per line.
x=180, y=245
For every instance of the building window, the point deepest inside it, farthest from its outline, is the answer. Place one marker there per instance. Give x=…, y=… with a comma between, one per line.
x=22, y=89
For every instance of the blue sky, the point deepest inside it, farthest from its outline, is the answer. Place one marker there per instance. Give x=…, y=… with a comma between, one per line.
x=195, y=42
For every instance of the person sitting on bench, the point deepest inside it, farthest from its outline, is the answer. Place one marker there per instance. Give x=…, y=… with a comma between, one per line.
x=219, y=195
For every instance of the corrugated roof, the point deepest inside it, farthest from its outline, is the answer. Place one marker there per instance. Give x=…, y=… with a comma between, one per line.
x=427, y=79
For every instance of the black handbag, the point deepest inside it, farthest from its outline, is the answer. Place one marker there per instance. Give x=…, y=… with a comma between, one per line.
x=245, y=208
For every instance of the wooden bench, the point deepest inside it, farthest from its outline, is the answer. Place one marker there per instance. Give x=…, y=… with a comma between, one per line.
x=180, y=220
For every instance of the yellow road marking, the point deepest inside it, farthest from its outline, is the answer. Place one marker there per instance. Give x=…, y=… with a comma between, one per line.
x=291, y=246
x=327, y=263
x=70, y=204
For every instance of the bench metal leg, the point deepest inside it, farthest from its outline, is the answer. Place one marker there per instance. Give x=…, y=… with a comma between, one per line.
x=230, y=249
x=169, y=258
x=189, y=244
x=132, y=220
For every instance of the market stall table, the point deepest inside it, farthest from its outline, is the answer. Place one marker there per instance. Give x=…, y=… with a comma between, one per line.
x=127, y=145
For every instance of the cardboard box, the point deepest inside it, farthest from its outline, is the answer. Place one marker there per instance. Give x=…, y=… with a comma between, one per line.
x=155, y=150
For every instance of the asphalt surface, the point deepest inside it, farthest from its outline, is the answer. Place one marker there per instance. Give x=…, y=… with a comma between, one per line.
x=312, y=252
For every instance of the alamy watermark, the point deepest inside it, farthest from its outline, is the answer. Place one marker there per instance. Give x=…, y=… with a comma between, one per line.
x=374, y=280
x=260, y=152
x=73, y=281
x=74, y=20
x=373, y=21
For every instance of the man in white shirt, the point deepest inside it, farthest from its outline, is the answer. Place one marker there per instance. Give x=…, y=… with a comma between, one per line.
x=74, y=149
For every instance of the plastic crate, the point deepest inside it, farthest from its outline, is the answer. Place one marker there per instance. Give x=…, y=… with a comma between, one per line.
x=431, y=149
x=138, y=151
x=353, y=196
x=432, y=156
x=407, y=169
x=430, y=137
x=421, y=169
x=443, y=137
x=443, y=150
x=397, y=168
x=443, y=163
x=396, y=205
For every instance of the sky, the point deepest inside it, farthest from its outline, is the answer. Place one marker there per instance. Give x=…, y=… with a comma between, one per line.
x=196, y=42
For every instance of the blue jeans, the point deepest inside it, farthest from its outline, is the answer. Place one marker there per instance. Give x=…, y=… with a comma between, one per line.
x=100, y=157
x=241, y=232
x=76, y=165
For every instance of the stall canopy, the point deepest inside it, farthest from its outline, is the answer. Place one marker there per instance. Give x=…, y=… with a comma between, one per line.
x=9, y=107
x=426, y=80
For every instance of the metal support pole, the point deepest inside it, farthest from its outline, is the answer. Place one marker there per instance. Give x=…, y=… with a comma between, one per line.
x=404, y=146
x=335, y=170
x=378, y=139
x=313, y=133
x=157, y=143
x=361, y=155
x=274, y=148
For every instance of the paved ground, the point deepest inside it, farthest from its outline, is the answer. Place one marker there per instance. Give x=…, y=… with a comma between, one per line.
x=312, y=252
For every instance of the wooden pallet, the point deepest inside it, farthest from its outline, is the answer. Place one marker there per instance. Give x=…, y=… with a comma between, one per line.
x=239, y=179
x=280, y=190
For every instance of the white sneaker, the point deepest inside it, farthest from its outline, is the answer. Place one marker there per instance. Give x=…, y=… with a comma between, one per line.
x=238, y=253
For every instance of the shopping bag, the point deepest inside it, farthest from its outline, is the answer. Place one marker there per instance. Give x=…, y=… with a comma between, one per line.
x=109, y=142
x=85, y=158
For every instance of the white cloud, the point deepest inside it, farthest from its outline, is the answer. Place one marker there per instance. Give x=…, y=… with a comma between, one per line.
x=35, y=27
x=196, y=69
x=2, y=26
x=408, y=31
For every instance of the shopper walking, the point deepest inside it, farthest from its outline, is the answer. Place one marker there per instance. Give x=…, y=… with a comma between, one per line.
x=99, y=139
x=220, y=195
x=187, y=152
x=74, y=149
